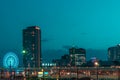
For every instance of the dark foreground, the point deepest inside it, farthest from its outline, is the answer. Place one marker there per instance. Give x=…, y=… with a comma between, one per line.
x=85, y=78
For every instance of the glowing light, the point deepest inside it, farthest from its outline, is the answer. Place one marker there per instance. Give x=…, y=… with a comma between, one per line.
x=46, y=73
x=23, y=51
x=10, y=60
x=40, y=72
x=37, y=28
x=96, y=64
x=68, y=73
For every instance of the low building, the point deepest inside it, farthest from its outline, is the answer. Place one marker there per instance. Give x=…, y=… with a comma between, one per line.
x=77, y=56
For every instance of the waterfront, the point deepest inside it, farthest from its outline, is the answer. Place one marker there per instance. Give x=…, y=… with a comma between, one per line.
x=62, y=73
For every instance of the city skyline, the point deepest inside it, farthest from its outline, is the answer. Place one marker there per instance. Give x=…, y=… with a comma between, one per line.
x=64, y=23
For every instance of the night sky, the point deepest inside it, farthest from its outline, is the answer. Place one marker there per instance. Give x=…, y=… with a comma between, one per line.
x=90, y=24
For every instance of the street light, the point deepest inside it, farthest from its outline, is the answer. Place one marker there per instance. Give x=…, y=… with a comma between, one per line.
x=23, y=51
x=43, y=74
x=96, y=64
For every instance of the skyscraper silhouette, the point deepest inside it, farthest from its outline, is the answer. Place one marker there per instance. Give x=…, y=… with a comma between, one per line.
x=114, y=53
x=32, y=47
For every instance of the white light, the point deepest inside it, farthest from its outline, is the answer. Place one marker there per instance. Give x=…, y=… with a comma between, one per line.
x=96, y=64
x=37, y=28
x=68, y=73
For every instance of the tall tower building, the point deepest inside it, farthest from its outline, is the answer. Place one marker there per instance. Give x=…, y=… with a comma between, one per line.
x=32, y=47
x=77, y=56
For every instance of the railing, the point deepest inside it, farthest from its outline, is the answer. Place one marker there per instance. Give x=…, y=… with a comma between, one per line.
x=61, y=72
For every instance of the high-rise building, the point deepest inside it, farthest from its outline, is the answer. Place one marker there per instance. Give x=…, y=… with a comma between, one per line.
x=77, y=56
x=32, y=47
x=114, y=53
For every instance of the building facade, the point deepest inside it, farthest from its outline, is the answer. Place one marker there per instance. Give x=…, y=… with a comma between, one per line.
x=114, y=53
x=77, y=56
x=64, y=61
x=32, y=47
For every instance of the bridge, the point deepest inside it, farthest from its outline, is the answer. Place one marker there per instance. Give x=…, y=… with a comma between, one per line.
x=102, y=73
x=64, y=73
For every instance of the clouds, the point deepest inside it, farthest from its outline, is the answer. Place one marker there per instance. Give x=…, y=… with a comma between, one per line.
x=45, y=40
x=51, y=54
x=67, y=47
x=101, y=54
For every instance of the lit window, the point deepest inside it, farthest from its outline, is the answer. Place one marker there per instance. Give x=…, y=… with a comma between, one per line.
x=33, y=32
x=33, y=44
x=33, y=48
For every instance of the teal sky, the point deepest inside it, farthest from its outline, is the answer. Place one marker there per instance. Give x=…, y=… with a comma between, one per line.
x=85, y=23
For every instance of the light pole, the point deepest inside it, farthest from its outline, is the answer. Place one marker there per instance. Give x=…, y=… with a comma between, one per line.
x=96, y=64
x=77, y=73
x=24, y=63
x=10, y=71
x=43, y=74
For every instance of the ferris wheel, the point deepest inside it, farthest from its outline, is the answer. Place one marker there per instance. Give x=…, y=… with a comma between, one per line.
x=10, y=60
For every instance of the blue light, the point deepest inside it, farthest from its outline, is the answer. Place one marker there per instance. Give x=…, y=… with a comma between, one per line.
x=46, y=73
x=10, y=60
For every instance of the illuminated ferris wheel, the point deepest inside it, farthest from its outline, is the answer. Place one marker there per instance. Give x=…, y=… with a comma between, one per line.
x=10, y=60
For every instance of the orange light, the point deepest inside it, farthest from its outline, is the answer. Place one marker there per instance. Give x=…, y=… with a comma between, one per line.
x=96, y=64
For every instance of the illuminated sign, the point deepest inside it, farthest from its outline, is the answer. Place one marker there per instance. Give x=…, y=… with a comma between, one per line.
x=46, y=73
x=40, y=74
